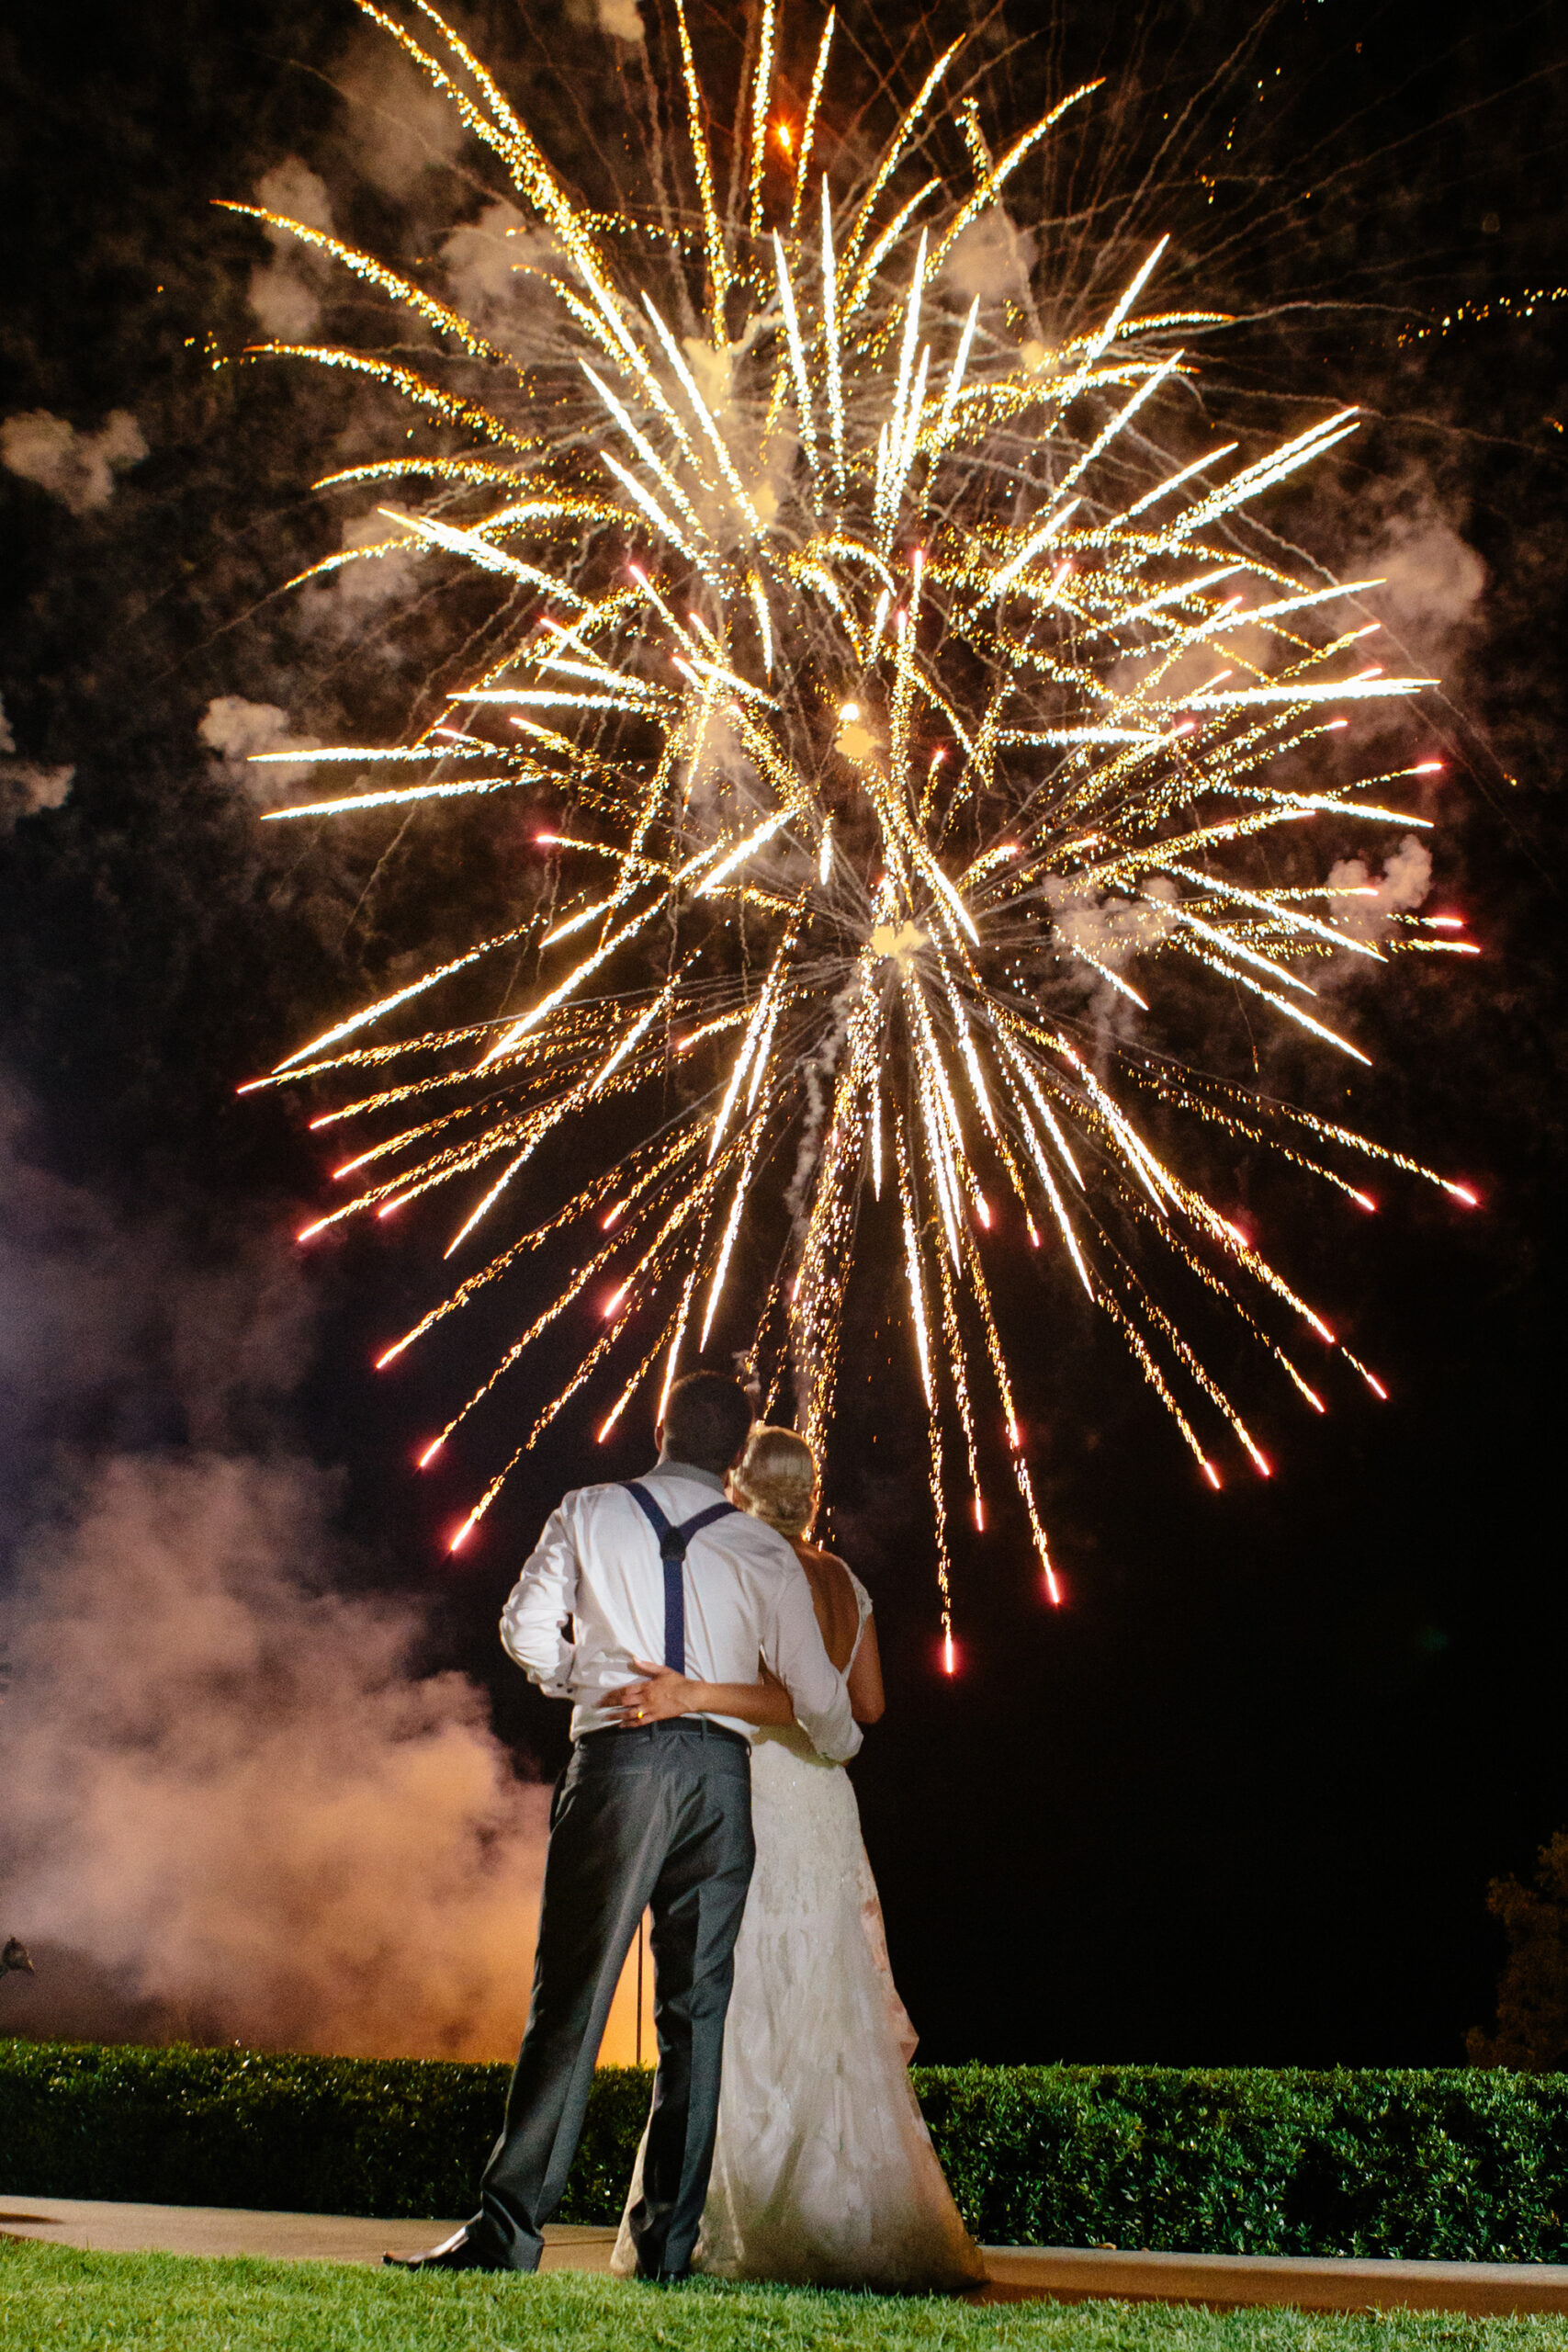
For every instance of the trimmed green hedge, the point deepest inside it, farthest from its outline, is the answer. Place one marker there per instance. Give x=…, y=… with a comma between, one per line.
x=282, y=2133
x=1460, y=2165
x=1456, y=2165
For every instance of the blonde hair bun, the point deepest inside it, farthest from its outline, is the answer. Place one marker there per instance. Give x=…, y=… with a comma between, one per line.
x=776, y=1480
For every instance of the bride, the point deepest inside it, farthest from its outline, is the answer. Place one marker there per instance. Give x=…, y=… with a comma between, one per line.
x=824, y=2173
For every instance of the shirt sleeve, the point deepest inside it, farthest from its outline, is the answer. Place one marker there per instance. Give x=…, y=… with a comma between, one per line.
x=533, y=1623
x=792, y=1646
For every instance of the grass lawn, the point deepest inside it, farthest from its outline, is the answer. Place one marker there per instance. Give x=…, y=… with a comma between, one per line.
x=164, y=2303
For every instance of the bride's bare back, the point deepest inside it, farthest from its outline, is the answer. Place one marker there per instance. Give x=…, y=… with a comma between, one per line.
x=833, y=1597
x=838, y=1620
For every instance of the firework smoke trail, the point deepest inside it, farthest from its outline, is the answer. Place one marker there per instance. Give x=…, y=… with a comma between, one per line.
x=896, y=679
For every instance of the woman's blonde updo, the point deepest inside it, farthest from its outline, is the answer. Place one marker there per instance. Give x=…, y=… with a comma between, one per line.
x=777, y=1479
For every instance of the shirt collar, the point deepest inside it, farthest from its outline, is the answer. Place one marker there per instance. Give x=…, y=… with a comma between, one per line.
x=678, y=1469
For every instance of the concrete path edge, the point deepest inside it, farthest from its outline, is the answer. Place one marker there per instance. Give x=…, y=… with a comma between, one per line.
x=1016, y=2274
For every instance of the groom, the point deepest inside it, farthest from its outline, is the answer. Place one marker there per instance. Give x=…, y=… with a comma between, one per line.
x=652, y=1815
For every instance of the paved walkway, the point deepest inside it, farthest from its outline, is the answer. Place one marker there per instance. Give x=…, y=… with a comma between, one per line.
x=1017, y=2274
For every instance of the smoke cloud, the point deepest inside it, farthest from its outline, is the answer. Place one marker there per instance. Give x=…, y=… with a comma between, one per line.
x=991, y=259
x=234, y=1805
x=496, y=266
x=376, y=579
x=78, y=469
x=1432, y=579
x=226, y=1789
x=1369, y=900
x=621, y=20
x=398, y=125
x=25, y=786
x=240, y=731
x=286, y=292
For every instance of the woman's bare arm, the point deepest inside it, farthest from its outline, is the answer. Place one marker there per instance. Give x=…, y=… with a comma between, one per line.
x=867, y=1700
x=664, y=1694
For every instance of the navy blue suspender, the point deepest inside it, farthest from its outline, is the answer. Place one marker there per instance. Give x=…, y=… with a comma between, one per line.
x=672, y=1542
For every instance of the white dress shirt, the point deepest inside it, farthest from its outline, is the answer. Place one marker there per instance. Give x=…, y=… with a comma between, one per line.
x=597, y=1564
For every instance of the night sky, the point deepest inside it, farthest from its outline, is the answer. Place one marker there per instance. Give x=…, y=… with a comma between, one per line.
x=1239, y=1800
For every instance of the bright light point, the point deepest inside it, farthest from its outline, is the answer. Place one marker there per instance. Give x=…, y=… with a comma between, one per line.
x=949, y=1654
x=1365, y=1199
x=1265, y=1468
x=785, y=136
x=848, y=712
x=1052, y=1590
x=1443, y=923
x=980, y=1515
x=250, y=1085
x=1462, y=1193
x=1429, y=767
x=1033, y=1233
x=612, y=1301
x=307, y=1230
x=464, y=1531
x=982, y=1210
x=1333, y=723
x=1182, y=727
x=431, y=1450
x=454, y=734
x=1212, y=1476
x=614, y=1218
x=325, y=1120
x=547, y=840
x=388, y=1208
x=1374, y=1384
x=1014, y=1439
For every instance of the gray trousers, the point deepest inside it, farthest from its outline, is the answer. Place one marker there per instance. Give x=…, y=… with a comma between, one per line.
x=659, y=1818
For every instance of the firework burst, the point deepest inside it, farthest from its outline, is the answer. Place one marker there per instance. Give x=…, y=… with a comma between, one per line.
x=905, y=682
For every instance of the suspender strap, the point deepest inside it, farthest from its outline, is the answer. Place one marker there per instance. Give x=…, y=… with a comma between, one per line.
x=672, y=1542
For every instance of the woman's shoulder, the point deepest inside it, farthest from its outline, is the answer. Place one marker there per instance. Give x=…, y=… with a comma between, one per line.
x=817, y=1562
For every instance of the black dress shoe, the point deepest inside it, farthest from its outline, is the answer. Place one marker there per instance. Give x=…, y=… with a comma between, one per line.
x=456, y=2253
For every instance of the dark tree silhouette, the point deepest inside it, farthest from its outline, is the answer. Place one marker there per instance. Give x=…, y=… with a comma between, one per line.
x=1532, y=1991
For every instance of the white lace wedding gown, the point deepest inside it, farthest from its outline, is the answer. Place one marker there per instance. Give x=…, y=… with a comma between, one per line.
x=824, y=2173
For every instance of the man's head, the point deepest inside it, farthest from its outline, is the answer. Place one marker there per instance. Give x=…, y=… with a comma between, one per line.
x=707, y=1418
